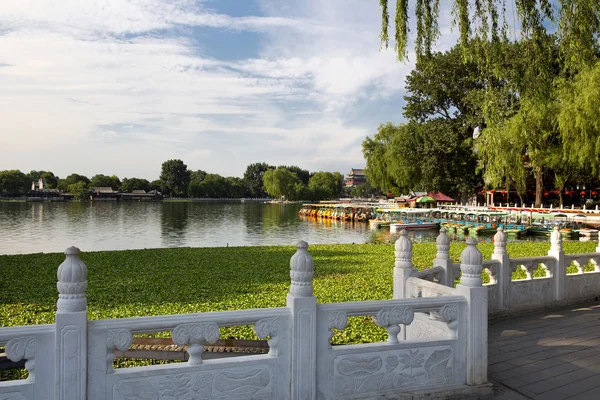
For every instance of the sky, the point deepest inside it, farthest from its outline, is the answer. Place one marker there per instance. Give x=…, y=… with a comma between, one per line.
x=119, y=86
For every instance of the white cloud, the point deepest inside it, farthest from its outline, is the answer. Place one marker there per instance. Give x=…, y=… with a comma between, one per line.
x=117, y=86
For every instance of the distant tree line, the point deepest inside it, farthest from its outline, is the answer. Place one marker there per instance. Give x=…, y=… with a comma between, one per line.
x=176, y=180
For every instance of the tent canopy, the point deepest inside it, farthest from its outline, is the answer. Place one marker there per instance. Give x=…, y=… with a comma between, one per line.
x=425, y=199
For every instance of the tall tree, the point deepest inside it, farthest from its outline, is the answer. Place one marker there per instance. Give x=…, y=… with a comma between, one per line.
x=128, y=185
x=100, y=180
x=253, y=178
x=579, y=119
x=63, y=184
x=433, y=151
x=325, y=185
x=280, y=182
x=175, y=176
x=14, y=183
x=195, y=186
x=302, y=174
x=80, y=190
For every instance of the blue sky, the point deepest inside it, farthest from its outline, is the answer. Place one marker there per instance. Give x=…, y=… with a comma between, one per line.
x=119, y=86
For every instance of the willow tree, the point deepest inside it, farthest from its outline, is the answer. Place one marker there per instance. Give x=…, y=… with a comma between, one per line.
x=579, y=120
x=577, y=25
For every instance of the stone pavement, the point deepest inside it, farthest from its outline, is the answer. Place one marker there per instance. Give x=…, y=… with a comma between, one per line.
x=550, y=355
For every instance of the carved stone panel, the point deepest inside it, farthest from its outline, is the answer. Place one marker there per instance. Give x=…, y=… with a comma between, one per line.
x=249, y=383
x=393, y=371
x=583, y=286
x=426, y=329
x=535, y=292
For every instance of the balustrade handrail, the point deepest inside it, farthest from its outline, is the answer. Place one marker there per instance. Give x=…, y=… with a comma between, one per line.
x=7, y=333
x=487, y=263
x=150, y=324
x=581, y=255
x=372, y=307
x=447, y=291
x=532, y=259
x=429, y=271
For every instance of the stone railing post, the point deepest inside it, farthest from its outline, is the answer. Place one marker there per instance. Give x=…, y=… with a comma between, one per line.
x=442, y=258
x=71, y=328
x=303, y=307
x=598, y=247
x=403, y=267
x=559, y=272
x=471, y=265
x=503, y=273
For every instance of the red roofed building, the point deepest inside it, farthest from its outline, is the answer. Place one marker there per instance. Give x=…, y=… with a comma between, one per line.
x=440, y=197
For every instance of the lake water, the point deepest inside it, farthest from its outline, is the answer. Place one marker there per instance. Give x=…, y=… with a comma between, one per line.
x=91, y=226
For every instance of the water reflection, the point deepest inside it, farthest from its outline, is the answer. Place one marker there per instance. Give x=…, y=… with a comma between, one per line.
x=110, y=225
x=174, y=221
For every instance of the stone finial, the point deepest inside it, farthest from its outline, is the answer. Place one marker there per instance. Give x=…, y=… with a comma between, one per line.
x=72, y=283
x=471, y=265
x=301, y=271
x=403, y=251
x=442, y=244
x=555, y=240
x=500, y=241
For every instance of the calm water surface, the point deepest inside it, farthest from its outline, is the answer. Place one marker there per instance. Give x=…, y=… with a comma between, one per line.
x=92, y=226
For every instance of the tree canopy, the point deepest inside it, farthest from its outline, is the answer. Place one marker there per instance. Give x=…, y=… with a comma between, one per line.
x=100, y=180
x=176, y=177
x=253, y=177
x=281, y=182
x=14, y=182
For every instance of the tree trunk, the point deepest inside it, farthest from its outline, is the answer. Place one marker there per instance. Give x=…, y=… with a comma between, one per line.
x=539, y=186
x=560, y=198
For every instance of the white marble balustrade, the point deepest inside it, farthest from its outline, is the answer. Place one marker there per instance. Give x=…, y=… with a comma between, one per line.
x=436, y=344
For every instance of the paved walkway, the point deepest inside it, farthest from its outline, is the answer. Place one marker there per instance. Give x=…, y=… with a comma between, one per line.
x=548, y=355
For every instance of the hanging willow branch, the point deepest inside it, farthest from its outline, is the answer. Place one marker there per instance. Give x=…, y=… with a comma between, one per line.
x=401, y=24
x=578, y=24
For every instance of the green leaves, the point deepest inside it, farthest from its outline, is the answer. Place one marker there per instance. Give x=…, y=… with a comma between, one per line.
x=176, y=281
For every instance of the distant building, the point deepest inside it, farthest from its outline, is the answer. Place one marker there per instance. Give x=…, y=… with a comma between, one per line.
x=103, y=193
x=356, y=177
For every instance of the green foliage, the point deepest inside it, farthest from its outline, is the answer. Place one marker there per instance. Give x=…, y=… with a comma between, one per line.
x=163, y=281
x=100, y=180
x=14, y=183
x=579, y=119
x=326, y=185
x=175, y=176
x=578, y=27
x=63, y=184
x=79, y=190
x=281, y=182
x=363, y=191
x=128, y=185
x=253, y=178
x=302, y=174
x=157, y=184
